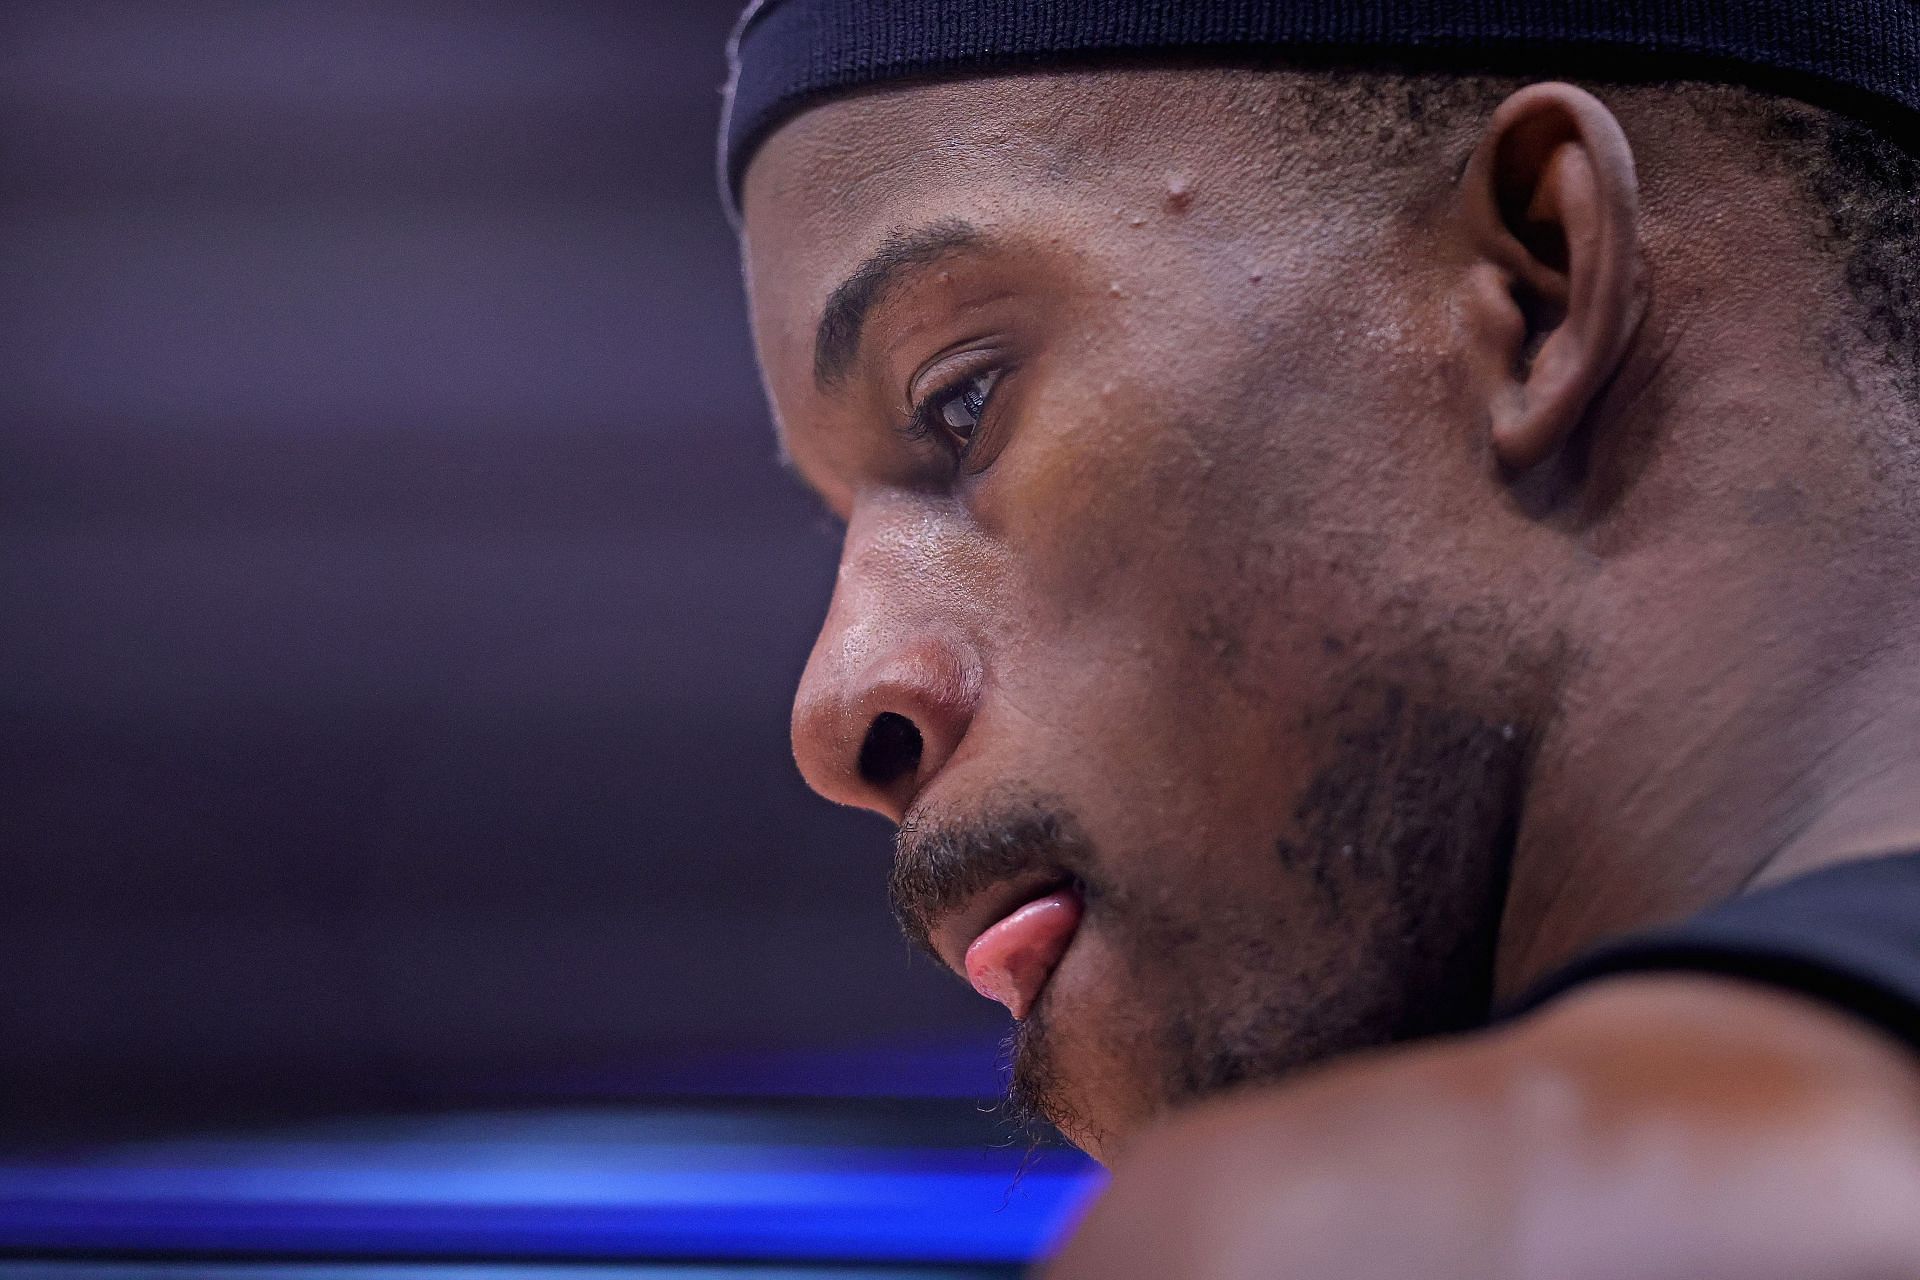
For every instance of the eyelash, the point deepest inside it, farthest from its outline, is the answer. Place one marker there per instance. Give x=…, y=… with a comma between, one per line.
x=922, y=425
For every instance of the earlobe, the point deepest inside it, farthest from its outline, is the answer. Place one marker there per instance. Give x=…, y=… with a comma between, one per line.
x=1556, y=291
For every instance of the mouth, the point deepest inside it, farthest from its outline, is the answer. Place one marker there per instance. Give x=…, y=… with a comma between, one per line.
x=1007, y=940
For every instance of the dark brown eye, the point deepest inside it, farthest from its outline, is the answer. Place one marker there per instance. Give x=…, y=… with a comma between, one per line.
x=958, y=412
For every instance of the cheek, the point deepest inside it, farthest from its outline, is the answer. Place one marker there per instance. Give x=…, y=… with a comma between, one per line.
x=1175, y=619
x=1194, y=511
x=1153, y=445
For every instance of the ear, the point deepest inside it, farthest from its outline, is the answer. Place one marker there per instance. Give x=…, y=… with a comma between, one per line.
x=1556, y=290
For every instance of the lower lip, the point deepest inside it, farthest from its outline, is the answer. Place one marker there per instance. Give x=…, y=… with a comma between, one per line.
x=1013, y=959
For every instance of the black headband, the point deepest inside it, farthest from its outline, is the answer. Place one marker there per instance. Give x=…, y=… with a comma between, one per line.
x=1861, y=57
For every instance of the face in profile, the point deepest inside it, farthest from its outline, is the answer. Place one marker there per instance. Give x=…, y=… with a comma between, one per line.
x=1159, y=628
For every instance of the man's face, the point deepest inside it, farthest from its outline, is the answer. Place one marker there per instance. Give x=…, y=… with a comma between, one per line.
x=1162, y=585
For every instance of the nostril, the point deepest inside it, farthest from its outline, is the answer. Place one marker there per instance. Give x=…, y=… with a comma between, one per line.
x=891, y=751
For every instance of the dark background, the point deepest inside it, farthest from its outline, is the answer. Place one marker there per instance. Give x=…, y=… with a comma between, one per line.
x=399, y=595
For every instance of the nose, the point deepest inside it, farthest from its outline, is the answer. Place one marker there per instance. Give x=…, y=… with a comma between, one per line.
x=873, y=724
x=882, y=707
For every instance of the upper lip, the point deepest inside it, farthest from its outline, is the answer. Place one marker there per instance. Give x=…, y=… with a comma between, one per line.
x=954, y=932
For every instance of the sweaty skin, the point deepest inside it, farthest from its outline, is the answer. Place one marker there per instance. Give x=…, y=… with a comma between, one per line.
x=1364, y=577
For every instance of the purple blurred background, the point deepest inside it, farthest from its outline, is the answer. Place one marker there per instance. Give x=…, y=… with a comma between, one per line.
x=401, y=599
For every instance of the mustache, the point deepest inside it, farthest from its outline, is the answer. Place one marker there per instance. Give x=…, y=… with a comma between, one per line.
x=938, y=866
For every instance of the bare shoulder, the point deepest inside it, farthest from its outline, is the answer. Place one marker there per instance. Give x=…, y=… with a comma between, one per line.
x=1671, y=1127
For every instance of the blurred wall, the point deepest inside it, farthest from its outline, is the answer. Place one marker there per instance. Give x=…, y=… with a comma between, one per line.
x=399, y=597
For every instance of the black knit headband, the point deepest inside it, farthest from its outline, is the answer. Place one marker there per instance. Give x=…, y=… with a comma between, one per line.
x=1861, y=57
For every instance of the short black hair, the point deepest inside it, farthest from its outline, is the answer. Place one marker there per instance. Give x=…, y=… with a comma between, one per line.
x=1861, y=185
x=1866, y=190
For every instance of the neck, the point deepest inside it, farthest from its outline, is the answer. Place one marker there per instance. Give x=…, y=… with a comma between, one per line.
x=1692, y=790
x=1868, y=801
x=1741, y=729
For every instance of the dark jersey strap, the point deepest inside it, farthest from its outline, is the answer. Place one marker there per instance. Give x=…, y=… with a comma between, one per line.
x=1848, y=936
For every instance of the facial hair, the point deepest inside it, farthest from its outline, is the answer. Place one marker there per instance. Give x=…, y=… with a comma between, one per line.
x=1396, y=852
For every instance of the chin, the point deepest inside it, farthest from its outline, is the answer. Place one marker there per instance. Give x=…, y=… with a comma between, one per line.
x=1103, y=1127
x=1080, y=1076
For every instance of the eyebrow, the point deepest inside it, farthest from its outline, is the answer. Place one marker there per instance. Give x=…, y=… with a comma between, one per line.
x=842, y=320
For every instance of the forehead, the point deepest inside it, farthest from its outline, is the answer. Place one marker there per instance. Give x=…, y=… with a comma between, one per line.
x=1067, y=119
x=834, y=184
x=838, y=168
x=1055, y=154
x=828, y=189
